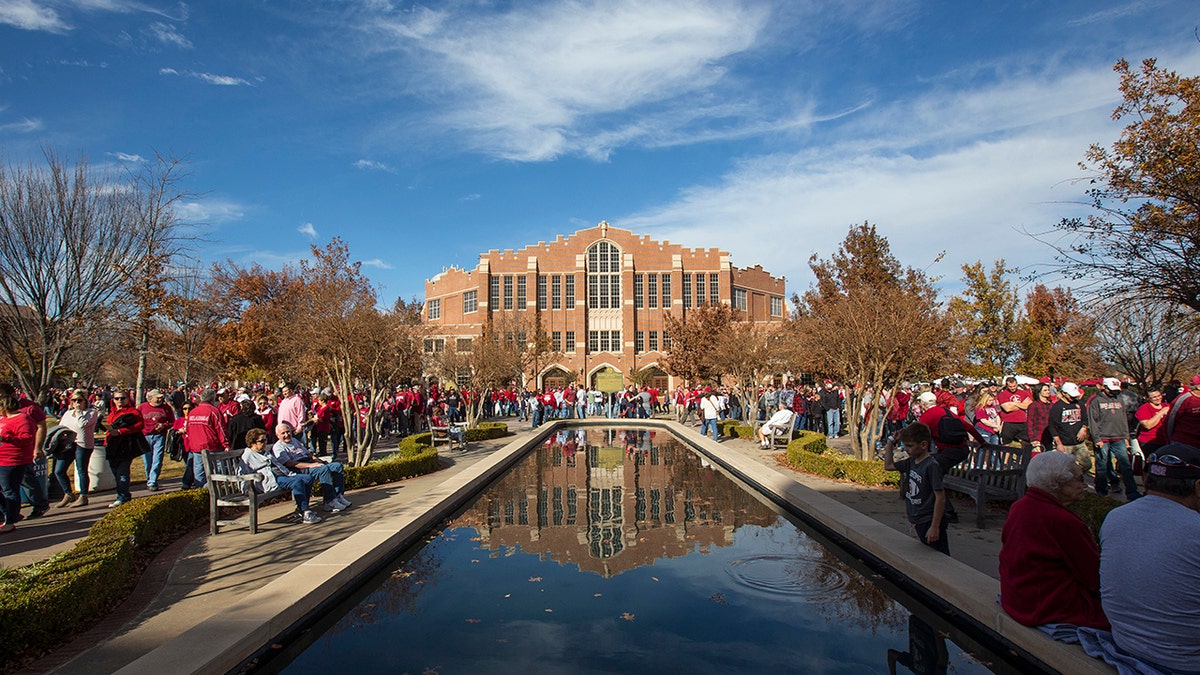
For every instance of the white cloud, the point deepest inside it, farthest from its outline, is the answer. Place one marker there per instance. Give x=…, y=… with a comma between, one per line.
x=125, y=157
x=30, y=15
x=542, y=81
x=167, y=34
x=211, y=211
x=25, y=126
x=471, y=197
x=963, y=171
x=372, y=164
x=307, y=230
x=221, y=80
x=376, y=262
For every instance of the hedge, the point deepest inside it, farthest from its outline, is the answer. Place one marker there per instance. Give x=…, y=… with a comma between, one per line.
x=1093, y=509
x=735, y=428
x=806, y=453
x=47, y=602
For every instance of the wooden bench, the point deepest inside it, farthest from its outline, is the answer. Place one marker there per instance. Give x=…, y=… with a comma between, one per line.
x=780, y=438
x=440, y=434
x=989, y=472
x=228, y=488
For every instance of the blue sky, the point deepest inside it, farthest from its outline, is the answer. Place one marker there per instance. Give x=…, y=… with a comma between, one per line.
x=424, y=134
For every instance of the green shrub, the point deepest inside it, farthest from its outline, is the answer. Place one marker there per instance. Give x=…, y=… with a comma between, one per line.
x=394, y=467
x=835, y=465
x=809, y=441
x=47, y=602
x=735, y=428
x=1093, y=509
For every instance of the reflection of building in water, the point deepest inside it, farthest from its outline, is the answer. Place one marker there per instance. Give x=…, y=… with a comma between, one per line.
x=609, y=501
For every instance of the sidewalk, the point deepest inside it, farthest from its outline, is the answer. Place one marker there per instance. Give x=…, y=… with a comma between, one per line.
x=199, y=575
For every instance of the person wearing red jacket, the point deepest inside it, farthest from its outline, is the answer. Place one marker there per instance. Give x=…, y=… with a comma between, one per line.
x=17, y=437
x=205, y=429
x=949, y=440
x=123, y=442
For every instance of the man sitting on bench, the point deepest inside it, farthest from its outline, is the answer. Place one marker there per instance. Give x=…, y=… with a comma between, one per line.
x=256, y=459
x=781, y=421
x=292, y=454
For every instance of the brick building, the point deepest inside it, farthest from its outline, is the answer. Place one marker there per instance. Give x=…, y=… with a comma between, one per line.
x=601, y=294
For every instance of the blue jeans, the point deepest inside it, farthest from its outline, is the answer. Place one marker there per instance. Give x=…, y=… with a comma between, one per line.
x=83, y=456
x=1106, y=451
x=120, y=471
x=10, y=487
x=154, y=458
x=193, y=471
x=833, y=423
x=331, y=478
x=301, y=487
x=709, y=424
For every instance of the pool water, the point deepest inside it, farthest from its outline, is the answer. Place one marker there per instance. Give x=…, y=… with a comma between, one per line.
x=609, y=550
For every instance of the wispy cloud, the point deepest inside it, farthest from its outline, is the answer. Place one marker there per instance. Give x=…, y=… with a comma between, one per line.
x=1118, y=12
x=307, y=230
x=24, y=126
x=538, y=82
x=125, y=157
x=31, y=15
x=211, y=211
x=221, y=80
x=373, y=165
x=376, y=262
x=168, y=34
x=83, y=63
x=471, y=197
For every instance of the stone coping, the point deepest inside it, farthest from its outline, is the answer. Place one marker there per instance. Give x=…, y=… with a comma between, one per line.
x=226, y=639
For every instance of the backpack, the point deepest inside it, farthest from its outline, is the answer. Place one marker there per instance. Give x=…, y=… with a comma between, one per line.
x=950, y=431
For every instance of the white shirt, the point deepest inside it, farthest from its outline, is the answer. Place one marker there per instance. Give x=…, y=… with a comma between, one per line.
x=780, y=420
x=83, y=424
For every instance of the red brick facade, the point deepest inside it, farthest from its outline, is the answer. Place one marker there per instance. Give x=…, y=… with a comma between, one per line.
x=602, y=295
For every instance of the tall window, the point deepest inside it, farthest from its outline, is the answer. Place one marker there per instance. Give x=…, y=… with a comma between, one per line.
x=556, y=340
x=666, y=291
x=604, y=276
x=434, y=308
x=556, y=291
x=739, y=299
x=470, y=301
x=521, y=292
x=639, y=291
x=699, y=288
x=653, y=341
x=687, y=291
x=541, y=291
x=508, y=291
x=652, y=289
x=639, y=341
x=714, y=289
x=570, y=292
x=604, y=341
x=776, y=306
x=494, y=294
x=570, y=346
x=666, y=341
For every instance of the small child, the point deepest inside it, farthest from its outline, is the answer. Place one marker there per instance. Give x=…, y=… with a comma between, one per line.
x=925, y=500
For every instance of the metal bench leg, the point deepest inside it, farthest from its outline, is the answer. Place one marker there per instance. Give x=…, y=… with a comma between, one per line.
x=213, y=511
x=253, y=514
x=980, y=505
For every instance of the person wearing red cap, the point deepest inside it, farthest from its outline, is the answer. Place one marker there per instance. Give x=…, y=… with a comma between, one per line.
x=710, y=411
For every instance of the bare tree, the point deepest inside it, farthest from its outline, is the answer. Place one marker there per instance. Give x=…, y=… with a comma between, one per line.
x=1150, y=341
x=187, y=321
x=67, y=233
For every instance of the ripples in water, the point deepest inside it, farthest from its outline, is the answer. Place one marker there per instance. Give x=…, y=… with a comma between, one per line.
x=796, y=576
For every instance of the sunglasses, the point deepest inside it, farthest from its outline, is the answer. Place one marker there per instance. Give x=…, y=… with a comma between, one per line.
x=118, y=398
x=1171, y=466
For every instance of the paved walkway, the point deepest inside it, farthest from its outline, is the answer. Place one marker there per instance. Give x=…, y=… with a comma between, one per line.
x=198, y=575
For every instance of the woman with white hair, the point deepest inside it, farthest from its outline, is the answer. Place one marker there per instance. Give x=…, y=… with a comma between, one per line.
x=1049, y=562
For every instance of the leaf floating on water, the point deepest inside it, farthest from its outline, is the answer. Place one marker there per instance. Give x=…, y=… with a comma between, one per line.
x=475, y=561
x=627, y=616
x=508, y=595
x=597, y=595
x=501, y=640
x=473, y=620
x=654, y=578
x=276, y=645
x=549, y=610
x=535, y=578
x=476, y=538
x=718, y=598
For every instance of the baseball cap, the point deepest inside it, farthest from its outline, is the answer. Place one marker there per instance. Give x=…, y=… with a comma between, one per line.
x=153, y=393
x=222, y=390
x=1196, y=380
x=1071, y=389
x=1175, y=460
x=928, y=398
x=1111, y=384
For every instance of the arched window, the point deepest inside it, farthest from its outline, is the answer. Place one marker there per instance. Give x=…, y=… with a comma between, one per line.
x=604, y=276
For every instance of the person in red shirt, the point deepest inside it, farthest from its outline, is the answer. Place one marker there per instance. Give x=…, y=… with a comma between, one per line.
x=949, y=437
x=1183, y=422
x=1049, y=562
x=123, y=442
x=157, y=418
x=1013, y=402
x=205, y=429
x=227, y=405
x=17, y=436
x=1152, y=422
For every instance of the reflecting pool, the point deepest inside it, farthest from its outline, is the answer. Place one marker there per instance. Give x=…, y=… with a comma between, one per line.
x=624, y=550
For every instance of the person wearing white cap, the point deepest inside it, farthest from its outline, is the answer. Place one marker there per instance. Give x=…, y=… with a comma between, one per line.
x=1109, y=428
x=1066, y=426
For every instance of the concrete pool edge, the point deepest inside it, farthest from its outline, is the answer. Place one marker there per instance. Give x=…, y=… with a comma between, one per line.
x=227, y=639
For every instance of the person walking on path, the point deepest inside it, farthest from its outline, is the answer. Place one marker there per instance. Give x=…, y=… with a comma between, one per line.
x=81, y=419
